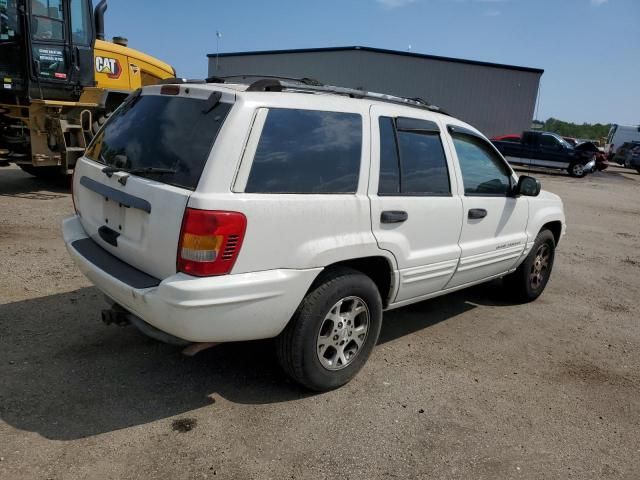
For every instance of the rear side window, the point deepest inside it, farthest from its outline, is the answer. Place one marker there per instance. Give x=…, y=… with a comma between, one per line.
x=160, y=131
x=412, y=159
x=307, y=151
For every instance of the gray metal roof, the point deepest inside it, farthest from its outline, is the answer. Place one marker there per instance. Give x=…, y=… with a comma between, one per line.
x=383, y=51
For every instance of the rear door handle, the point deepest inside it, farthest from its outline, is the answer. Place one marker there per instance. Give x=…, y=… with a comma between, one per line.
x=393, y=216
x=476, y=213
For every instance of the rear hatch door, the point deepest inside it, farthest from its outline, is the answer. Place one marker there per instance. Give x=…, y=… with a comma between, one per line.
x=133, y=185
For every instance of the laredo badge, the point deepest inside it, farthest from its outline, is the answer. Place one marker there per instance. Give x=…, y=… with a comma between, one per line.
x=108, y=66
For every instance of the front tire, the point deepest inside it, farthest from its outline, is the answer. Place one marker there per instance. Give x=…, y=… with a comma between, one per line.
x=577, y=170
x=333, y=332
x=530, y=279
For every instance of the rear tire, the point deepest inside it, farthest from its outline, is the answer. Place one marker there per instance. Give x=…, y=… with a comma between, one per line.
x=333, y=332
x=530, y=279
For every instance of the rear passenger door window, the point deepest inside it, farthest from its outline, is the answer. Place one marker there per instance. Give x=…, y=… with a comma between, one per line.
x=307, y=151
x=412, y=158
x=549, y=142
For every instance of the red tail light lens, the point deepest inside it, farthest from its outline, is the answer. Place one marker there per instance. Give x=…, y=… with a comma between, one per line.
x=210, y=241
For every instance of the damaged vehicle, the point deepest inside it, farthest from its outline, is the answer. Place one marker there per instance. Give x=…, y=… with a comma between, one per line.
x=549, y=150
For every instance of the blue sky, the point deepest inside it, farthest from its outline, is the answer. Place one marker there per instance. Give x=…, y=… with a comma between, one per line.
x=589, y=49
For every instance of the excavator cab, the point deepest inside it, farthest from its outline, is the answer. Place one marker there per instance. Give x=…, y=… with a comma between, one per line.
x=60, y=80
x=46, y=47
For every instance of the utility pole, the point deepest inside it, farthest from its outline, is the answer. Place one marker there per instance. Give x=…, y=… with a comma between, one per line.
x=218, y=37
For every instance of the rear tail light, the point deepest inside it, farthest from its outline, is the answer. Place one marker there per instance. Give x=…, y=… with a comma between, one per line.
x=210, y=241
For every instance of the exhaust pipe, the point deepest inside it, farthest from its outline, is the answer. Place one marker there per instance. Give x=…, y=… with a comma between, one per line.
x=117, y=315
x=98, y=18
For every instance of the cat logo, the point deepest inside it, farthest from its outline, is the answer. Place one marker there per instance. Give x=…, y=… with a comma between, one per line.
x=108, y=66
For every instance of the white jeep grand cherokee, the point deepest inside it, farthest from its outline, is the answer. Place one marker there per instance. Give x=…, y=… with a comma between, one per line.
x=214, y=212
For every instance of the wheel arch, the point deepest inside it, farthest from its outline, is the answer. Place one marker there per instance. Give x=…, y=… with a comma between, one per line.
x=379, y=269
x=555, y=227
x=546, y=212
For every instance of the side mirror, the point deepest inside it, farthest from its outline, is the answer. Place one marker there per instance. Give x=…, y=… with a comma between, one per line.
x=527, y=186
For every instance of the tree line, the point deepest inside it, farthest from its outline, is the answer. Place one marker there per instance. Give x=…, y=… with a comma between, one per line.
x=567, y=129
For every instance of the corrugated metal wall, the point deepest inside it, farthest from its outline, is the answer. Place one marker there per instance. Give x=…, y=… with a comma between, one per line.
x=495, y=100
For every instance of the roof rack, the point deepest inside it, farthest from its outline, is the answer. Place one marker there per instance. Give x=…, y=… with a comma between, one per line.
x=276, y=84
x=272, y=83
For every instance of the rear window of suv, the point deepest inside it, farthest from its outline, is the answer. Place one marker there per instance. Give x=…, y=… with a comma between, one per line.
x=163, y=132
x=307, y=151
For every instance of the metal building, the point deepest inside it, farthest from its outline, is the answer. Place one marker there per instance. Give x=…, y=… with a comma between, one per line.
x=497, y=99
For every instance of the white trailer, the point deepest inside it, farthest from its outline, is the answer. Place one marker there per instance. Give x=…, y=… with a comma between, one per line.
x=620, y=134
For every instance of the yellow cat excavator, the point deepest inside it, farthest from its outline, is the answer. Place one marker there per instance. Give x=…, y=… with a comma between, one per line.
x=60, y=80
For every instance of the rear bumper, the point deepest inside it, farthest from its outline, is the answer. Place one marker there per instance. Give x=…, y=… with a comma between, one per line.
x=227, y=308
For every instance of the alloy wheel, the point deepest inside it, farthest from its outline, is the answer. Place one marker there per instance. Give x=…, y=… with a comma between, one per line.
x=342, y=333
x=578, y=170
x=540, y=266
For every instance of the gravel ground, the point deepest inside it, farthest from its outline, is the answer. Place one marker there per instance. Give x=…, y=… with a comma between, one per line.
x=463, y=386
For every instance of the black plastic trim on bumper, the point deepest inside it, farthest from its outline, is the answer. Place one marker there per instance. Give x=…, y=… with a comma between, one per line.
x=115, y=267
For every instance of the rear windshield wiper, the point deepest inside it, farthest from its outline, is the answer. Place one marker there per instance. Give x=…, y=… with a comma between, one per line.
x=108, y=171
x=150, y=170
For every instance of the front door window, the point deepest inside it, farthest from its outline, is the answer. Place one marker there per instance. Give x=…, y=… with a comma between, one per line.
x=47, y=20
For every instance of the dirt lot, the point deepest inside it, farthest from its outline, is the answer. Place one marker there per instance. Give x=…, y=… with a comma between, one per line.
x=464, y=386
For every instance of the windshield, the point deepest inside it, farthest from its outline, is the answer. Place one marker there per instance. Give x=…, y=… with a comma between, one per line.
x=173, y=134
x=562, y=141
x=612, y=132
x=9, y=24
